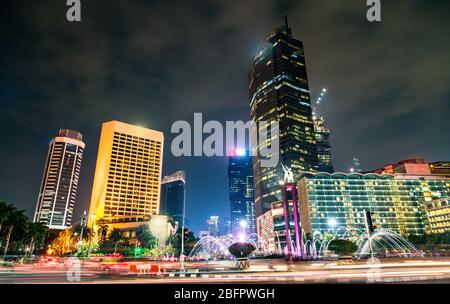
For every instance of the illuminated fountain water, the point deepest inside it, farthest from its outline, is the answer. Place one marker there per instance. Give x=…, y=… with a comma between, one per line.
x=216, y=248
x=211, y=248
x=386, y=242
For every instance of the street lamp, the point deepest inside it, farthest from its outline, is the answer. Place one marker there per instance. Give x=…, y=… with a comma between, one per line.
x=83, y=223
x=332, y=223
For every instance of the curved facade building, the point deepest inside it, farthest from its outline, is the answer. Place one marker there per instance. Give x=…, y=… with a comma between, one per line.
x=60, y=180
x=337, y=201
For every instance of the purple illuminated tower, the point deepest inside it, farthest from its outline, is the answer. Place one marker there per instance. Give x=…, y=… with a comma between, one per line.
x=286, y=188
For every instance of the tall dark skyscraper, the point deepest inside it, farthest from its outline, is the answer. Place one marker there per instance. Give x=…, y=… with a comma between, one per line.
x=323, y=145
x=240, y=178
x=173, y=195
x=279, y=91
x=60, y=180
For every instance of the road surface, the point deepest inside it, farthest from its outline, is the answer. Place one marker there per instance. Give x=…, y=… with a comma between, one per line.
x=426, y=270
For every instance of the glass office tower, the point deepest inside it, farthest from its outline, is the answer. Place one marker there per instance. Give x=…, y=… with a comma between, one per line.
x=240, y=185
x=173, y=196
x=323, y=145
x=279, y=91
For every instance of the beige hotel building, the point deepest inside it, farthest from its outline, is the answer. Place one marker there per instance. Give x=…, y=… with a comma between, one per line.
x=127, y=175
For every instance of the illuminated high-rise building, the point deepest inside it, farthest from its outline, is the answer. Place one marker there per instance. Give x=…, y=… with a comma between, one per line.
x=213, y=226
x=173, y=195
x=240, y=186
x=60, y=180
x=323, y=145
x=440, y=167
x=128, y=173
x=396, y=201
x=279, y=91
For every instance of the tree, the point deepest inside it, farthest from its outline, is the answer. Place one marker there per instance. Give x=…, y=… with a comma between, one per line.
x=241, y=250
x=174, y=240
x=308, y=236
x=5, y=210
x=17, y=223
x=417, y=239
x=116, y=237
x=103, y=231
x=86, y=232
x=342, y=247
x=66, y=242
x=36, y=234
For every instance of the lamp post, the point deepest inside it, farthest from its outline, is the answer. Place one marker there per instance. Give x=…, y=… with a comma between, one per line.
x=182, y=230
x=83, y=223
x=90, y=236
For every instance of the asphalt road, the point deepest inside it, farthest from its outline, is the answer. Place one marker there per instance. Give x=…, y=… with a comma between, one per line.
x=429, y=270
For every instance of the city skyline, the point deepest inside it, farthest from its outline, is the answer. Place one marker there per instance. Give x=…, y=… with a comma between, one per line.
x=358, y=118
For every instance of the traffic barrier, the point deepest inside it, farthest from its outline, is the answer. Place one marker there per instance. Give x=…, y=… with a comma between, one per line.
x=133, y=268
x=147, y=269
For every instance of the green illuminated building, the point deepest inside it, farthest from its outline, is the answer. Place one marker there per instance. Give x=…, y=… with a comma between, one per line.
x=329, y=201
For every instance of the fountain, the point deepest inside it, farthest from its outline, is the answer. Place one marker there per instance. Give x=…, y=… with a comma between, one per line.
x=211, y=248
x=386, y=243
x=216, y=248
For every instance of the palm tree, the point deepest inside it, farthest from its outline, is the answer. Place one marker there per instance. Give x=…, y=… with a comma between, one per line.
x=16, y=222
x=116, y=236
x=36, y=233
x=102, y=231
x=5, y=210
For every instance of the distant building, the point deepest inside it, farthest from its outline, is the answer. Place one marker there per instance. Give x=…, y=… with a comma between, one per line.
x=173, y=195
x=356, y=165
x=323, y=145
x=408, y=166
x=225, y=227
x=440, y=167
x=279, y=228
x=266, y=232
x=59, y=184
x=213, y=226
x=438, y=215
x=127, y=174
x=160, y=226
x=240, y=186
x=203, y=233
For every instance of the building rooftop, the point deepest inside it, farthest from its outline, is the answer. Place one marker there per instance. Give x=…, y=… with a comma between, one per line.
x=70, y=134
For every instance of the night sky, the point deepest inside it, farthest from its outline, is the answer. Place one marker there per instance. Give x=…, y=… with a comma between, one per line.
x=154, y=62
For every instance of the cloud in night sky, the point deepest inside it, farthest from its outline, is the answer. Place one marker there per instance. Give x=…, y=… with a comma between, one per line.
x=155, y=62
